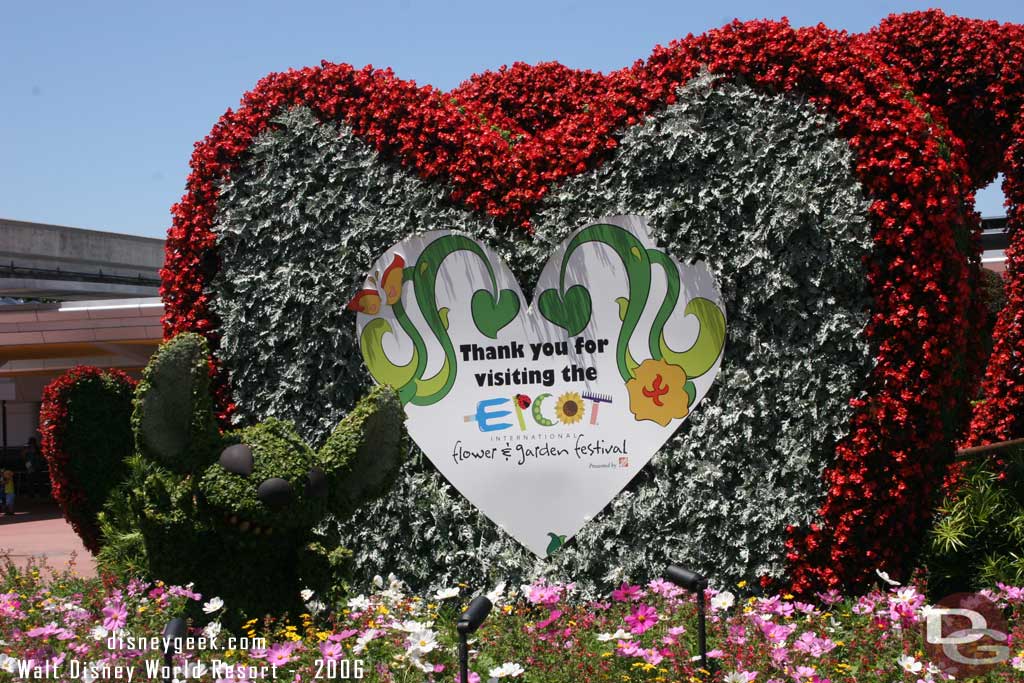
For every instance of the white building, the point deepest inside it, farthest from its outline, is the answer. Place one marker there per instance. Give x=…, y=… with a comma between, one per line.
x=96, y=303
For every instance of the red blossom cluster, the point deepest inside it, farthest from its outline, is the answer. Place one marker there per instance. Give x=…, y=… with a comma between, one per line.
x=906, y=97
x=69, y=493
x=974, y=71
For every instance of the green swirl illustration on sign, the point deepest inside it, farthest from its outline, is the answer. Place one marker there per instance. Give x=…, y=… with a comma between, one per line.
x=651, y=383
x=491, y=311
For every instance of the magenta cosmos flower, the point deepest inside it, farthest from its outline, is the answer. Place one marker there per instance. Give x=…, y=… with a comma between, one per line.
x=115, y=616
x=641, y=619
x=626, y=593
x=279, y=654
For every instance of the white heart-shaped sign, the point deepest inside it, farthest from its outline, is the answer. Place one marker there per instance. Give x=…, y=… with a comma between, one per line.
x=540, y=415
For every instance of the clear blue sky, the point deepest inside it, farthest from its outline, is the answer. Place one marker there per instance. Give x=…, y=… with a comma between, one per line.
x=100, y=102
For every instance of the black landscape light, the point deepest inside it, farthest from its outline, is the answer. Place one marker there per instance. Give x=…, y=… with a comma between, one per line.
x=173, y=633
x=469, y=622
x=695, y=583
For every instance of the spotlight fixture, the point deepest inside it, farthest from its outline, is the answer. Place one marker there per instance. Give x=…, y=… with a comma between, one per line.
x=173, y=633
x=469, y=622
x=695, y=583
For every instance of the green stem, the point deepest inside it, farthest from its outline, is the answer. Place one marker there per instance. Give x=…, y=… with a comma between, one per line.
x=637, y=262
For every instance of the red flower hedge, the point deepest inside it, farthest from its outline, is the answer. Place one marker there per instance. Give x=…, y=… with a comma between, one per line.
x=974, y=71
x=85, y=411
x=502, y=139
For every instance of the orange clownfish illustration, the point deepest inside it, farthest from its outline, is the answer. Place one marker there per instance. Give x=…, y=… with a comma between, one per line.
x=391, y=281
x=365, y=301
x=368, y=301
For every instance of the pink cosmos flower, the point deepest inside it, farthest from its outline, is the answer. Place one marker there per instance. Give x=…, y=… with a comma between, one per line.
x=279, y=654
x=50, y=629
x=804, y=672
x=652, y=656
x=628, y=648
x=9, y=606
x=474, y=677
x=813, y=645
x=184, y=592
x=642, y=618
x=342, y=635
x=737, y=634
x=552, y=618
x=1011, y=593
x=115, y=616
x=804, y=607
x=331, y=651
x=830, y=597
x=626, y=593
x=865, y=605
x=543, y=594
x=664, y=588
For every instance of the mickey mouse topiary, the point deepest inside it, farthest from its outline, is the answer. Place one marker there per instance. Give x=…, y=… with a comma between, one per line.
x=236, y=512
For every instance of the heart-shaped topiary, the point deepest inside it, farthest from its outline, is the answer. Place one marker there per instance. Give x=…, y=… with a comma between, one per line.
x=286, y=209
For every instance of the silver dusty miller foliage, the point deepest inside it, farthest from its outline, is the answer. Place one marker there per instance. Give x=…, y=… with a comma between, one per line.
x=760, y=186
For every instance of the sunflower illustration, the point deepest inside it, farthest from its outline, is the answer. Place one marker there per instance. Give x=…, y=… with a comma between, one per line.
x=569, y=408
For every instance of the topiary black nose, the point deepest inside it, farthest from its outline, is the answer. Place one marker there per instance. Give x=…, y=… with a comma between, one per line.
x=237, y=459
x=275, y=493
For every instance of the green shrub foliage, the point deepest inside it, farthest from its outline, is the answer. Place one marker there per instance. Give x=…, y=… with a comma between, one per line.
x=978, y=536
x=758, y=185
x=236, y=513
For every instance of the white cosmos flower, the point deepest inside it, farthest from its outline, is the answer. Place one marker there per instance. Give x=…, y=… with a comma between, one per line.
x=316, y=606
x=8, y=664
x=360, y=603
x=362, y=640
x=909, y=664
x=306, y=594
x=412, y=626
x=446, y=593
x=213, y=605
x=506, y=670
x=618, y=635
x=885, y=577
x=497, y=594
x=723, y=601
x=88, y=675
x=378, y=581
x=98, y=632
x=212, y=630
x=422, y=642
x=425, y=667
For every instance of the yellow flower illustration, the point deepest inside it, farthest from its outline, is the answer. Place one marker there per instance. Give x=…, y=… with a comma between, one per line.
x=657, y=392
x=569, y=408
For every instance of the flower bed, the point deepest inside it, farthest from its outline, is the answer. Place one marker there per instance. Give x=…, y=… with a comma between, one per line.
x=538, y=632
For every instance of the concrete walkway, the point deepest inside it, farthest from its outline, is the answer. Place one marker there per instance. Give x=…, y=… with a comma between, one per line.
x=38, y=530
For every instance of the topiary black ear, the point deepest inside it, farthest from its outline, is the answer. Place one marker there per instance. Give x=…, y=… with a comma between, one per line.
x=173, y=418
